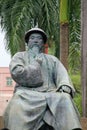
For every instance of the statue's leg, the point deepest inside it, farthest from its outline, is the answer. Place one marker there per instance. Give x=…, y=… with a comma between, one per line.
x=62, y=114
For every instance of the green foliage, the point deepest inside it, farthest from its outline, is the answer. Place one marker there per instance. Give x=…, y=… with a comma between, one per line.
x=74, y=35
x=76, y=79
x=78, y=102
x=51, y=49
x=17, y=16
x=64, y=11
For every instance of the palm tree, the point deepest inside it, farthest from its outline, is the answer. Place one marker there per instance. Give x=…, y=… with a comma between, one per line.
x=17, y=16
x=69, y=30
x=75, y=35
x=64, y=32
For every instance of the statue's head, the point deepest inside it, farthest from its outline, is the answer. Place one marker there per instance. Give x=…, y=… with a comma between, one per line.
x=36, y=31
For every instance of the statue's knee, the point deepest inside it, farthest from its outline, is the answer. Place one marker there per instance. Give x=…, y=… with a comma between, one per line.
x=66, y=96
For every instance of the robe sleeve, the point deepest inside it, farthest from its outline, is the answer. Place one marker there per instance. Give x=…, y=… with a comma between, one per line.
x=25, y=75
x=62, y=77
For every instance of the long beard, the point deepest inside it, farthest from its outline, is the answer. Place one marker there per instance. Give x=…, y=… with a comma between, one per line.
x=34, y=51
x=36, y=48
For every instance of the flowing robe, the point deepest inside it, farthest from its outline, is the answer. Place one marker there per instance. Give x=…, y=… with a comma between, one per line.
x=37, y=99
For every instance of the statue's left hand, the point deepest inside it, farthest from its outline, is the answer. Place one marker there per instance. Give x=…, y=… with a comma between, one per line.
x=65, y=89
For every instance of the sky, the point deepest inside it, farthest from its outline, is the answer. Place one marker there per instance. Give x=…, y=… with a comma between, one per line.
x=4, y=55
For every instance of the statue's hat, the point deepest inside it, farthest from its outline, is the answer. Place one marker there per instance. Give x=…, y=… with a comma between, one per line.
x=35, y=30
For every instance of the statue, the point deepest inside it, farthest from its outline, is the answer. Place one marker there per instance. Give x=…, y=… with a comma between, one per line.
x=43, y=94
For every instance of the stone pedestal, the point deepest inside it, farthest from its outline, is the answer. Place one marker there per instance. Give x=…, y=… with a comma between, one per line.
x=84, y=123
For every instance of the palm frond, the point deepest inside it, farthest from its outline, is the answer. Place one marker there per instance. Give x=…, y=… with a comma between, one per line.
x=75, y=36
x=17, y=16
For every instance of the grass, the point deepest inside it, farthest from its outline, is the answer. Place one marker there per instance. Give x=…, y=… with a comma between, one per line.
x=76, y=79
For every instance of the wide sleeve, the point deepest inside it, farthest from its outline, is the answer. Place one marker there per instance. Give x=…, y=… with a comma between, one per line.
x=62, y=77
x=25, y=74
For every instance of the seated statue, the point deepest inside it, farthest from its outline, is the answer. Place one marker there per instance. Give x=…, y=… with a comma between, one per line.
x=43, y=96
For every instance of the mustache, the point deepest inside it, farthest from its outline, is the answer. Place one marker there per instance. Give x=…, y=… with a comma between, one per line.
x=35, y=45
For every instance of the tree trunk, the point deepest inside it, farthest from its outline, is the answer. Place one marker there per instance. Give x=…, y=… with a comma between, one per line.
x=64, y=40
x=84, y=57
x=64, y=32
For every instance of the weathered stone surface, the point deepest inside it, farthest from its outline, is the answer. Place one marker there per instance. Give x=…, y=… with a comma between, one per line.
x=84, y=123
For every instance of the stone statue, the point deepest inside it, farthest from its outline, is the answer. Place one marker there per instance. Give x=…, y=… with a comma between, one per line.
x=43, y=94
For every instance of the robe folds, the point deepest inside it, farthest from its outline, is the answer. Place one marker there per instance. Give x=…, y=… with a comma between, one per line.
x=37, y=99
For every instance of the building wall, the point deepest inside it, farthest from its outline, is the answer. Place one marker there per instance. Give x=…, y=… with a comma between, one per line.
x=6, y=88
x=6, y=82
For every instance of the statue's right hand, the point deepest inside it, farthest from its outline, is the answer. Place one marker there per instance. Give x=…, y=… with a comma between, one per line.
x=39, y=60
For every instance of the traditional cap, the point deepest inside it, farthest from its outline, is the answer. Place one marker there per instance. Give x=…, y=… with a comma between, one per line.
x=35, y=30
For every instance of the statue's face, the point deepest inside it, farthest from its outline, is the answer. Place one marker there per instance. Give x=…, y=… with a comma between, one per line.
x=35, y=39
